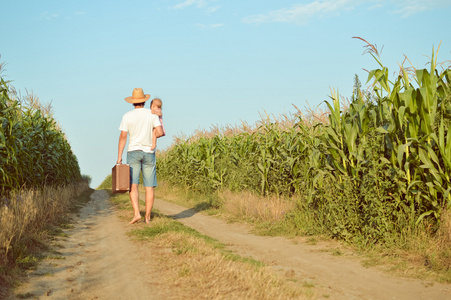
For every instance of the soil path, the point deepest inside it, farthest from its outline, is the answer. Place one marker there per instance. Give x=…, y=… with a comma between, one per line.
x=98, y=260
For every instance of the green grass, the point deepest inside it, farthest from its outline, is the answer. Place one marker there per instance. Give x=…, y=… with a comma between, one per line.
x=25, y=296
x=28, y=262
x=312, y=241
x=106, y=184
x=166, y=225
x=308, y=284
x=121, y=201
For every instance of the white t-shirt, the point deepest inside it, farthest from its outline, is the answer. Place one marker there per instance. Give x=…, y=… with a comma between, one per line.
x=139, y=123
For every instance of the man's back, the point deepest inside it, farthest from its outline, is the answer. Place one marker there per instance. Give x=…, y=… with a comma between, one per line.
x=139, y=124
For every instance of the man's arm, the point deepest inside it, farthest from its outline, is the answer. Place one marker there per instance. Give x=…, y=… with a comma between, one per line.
x=154, y=140
x=158, y=131
x=121, y=146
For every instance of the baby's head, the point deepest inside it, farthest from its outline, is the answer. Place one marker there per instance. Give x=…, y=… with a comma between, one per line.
x=156, y=103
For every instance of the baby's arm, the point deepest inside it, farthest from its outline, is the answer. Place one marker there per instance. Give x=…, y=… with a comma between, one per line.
x=162, y=127
x=159, y=113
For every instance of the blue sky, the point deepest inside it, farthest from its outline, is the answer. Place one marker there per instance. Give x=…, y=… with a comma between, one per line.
x=212, y=62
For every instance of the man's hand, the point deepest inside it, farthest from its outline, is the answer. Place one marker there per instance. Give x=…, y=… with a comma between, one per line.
x=158, y=131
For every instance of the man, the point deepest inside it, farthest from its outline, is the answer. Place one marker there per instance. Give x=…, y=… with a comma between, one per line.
x=138, y=124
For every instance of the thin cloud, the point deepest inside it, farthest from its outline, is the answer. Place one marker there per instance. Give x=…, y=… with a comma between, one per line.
x=48, y=16
x=375, y=6
x=412, y=7
x=213, y=9
x=303, y=13
x=201, y=4
x=206, y=5
x=407, y=11
x=187, y=3
x=210, y=26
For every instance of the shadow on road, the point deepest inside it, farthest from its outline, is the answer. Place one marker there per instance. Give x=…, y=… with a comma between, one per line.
x=188, y=213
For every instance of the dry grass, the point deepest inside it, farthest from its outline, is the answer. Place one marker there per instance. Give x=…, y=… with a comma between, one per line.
x=197, y=268
x=418, y=254
x=308, y=116
x=312, y=116
x=243, y=205
x=213, y=277
x=249, y=206
x=24, y=216
x=174, y=194
x=436, y=254
x=444, y=232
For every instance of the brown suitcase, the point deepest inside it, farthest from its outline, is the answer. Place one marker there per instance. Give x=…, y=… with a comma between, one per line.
x=120, y=178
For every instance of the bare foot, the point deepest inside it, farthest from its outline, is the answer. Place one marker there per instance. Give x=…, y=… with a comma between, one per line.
x=135, y=219
x=147, y=221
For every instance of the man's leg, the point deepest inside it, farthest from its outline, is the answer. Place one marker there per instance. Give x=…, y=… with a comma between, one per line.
x=150, y=197
x=150, y=181
x=134, y=198
x=134, y=160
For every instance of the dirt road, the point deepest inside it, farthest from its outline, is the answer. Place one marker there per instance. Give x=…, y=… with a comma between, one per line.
x=96, y=261
x=101, y=262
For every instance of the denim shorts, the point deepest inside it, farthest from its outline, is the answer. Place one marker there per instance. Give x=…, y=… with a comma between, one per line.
x=145, y=162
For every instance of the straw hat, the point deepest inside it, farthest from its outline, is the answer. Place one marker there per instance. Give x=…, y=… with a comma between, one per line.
x=138, y=96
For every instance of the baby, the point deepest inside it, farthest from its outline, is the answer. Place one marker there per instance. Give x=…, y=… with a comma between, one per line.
x=156, y=107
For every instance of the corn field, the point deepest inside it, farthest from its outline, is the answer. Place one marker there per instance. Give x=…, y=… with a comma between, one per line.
x=33, y=150
x=377, y=165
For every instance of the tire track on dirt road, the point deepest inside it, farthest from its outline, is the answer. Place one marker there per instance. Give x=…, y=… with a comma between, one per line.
x=336, y=277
